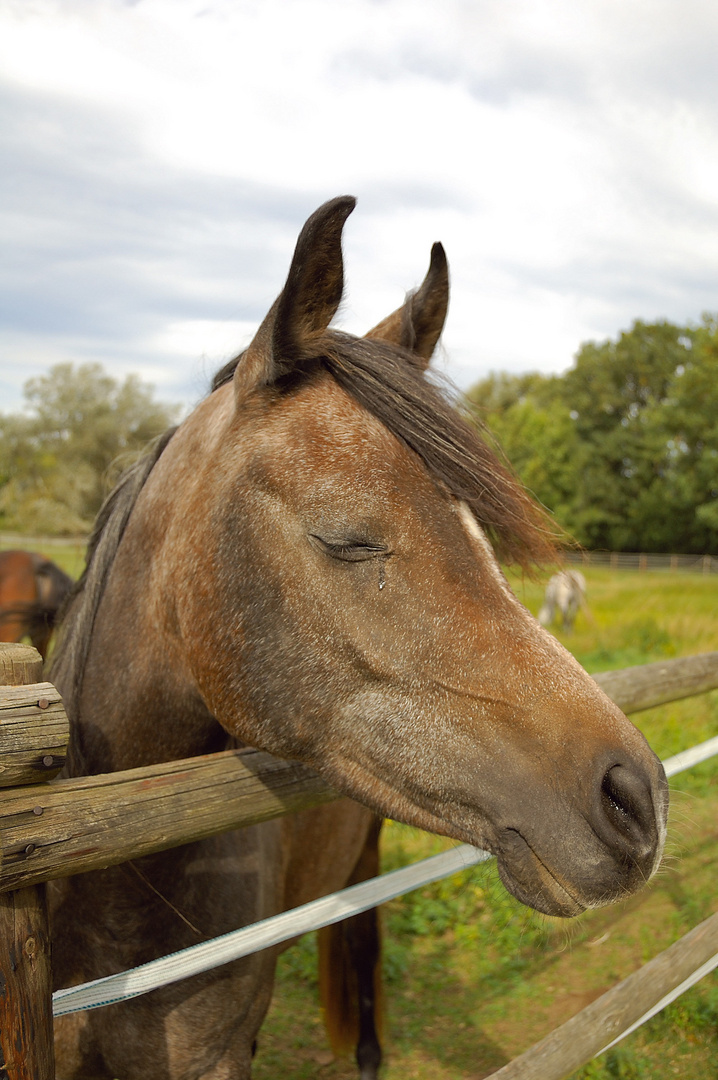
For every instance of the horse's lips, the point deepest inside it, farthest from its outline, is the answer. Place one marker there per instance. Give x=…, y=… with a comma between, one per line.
x=527, y=877
x=523, y=873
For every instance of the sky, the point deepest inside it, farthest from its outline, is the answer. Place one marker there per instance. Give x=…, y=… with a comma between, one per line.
x=159, y=157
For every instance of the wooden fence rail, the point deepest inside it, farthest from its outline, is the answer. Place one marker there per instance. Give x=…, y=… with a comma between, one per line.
x=637, y=688
x=592, y=1030
x=69, y=826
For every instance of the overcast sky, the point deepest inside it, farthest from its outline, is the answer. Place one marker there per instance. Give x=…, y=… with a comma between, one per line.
x=160, y=156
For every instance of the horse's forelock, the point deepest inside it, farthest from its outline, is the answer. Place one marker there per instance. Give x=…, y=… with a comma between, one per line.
x=387, y=381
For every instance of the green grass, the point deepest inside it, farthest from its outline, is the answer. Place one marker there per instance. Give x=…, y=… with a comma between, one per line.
x=472, y=977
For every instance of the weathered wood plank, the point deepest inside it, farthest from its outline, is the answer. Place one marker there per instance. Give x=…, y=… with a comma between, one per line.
x=577, y=1041
x=26, y=1034
x=19, y=664
x=25, y=987
x=85, y=823
x=34, y=733
x=643, y=687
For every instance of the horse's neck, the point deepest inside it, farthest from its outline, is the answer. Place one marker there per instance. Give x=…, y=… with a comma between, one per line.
x=121, y=725
x=138, y=703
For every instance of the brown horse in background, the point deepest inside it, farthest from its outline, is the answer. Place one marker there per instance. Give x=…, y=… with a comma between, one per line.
x=303, y=567
x=32, y=591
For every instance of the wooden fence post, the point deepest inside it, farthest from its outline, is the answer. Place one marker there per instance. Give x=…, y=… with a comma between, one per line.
x=26, y=1038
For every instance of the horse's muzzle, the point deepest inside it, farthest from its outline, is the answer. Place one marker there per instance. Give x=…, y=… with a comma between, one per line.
x=604, y=852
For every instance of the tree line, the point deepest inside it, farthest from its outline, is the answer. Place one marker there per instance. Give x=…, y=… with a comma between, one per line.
x=622, y=447
x=62, y=454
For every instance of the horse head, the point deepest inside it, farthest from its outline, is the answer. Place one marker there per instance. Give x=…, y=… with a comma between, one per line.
x=324, y=527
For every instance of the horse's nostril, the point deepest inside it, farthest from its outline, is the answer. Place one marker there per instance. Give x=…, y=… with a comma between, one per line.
x=627, y=807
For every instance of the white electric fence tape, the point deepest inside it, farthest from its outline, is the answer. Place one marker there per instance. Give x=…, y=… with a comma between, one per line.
x=323, y=912
x=693, y=756
x=210, y=954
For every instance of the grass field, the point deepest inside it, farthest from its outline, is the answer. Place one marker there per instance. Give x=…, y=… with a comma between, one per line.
x=472, y=977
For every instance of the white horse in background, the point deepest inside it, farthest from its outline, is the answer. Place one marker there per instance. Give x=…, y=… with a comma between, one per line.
x=565, y=594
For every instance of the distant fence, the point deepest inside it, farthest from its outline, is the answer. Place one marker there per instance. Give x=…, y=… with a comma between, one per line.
x=30, y=543
x=636, y=560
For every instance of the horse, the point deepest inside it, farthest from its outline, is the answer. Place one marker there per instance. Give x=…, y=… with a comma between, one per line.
x=309, y=565
x=32, y=591
x=565, y=594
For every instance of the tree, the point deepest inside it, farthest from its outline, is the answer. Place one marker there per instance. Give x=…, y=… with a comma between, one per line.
x=688, y=428
x=535, y=431
x=58, y=462
x=623, y=447
x=613, y=393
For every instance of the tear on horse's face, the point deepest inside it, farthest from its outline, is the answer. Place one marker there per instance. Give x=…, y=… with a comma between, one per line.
x=356, y=619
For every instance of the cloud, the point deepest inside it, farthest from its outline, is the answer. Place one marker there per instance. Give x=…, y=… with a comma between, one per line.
x=107, y=249
x=160, y=157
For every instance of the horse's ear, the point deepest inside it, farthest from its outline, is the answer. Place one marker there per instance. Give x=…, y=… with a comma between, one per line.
x=307, y=304
x=417, y=325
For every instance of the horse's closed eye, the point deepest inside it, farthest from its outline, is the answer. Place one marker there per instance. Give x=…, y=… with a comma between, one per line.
x=349, y=550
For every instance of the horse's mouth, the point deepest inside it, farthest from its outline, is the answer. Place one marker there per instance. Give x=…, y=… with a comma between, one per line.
x=528, y=878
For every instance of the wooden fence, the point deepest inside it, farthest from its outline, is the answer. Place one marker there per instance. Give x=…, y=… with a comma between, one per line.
x=641, y=560
x=53, y=828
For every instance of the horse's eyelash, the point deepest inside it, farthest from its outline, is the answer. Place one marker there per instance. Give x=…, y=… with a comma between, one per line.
x=352, y=550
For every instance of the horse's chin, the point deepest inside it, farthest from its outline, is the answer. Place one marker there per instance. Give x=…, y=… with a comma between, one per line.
x=528, y=879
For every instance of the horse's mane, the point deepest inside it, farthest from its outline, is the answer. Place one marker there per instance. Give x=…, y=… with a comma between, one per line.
x=82, y=603
x=390, y=384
